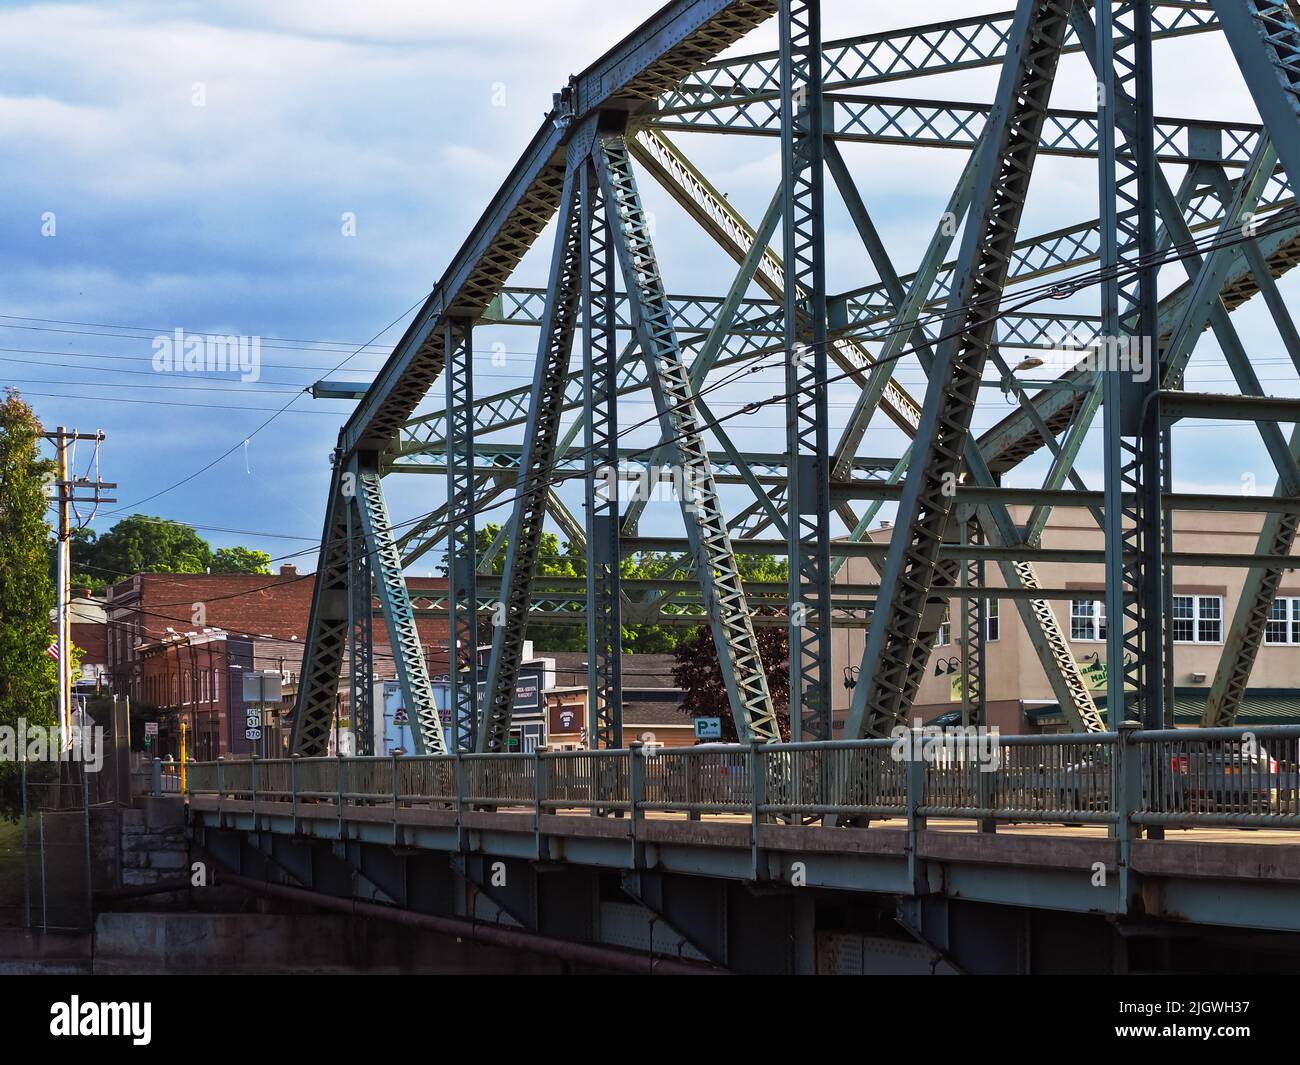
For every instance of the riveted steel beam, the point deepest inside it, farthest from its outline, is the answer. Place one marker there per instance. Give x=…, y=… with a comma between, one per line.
x=461, y=532
x=361, y=658
x=954, y=124
x=706, y=529
x=533, y=486
x=1265, y=39
x=327, y=625
x=1134, y=455
x=895, y=55
x=600, y=385
x=395, y=604
x=806, y=410
x=891, y=663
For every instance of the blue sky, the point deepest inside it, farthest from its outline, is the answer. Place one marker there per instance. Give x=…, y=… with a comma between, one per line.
x=199, y=162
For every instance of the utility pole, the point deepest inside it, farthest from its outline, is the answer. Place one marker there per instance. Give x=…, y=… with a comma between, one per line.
x=67, y=487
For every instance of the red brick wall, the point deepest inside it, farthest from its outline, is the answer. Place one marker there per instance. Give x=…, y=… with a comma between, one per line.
x=91, y=638
x=276, y=605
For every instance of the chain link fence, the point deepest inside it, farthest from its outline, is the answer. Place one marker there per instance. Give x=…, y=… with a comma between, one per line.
x=45, y=879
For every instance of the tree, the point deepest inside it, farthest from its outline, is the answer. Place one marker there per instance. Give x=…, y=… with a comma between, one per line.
x=699, y=676
x=82, y=553
x=646, y=638
x=28, y=676
x=144, y=544
x=240, y=560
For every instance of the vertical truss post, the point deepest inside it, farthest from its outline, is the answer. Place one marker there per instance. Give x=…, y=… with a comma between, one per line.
x=536, y=468
x=807, y=420
x=600, y=392
x=395, y=605
x=893, y=661
x=361, y=656
x=706, y=528
x=327, y=627
x=974, y=612
x=462, y=533
x=1133, y=454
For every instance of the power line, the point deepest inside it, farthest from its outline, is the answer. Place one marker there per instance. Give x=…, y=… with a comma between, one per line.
x=1057, y=290
x=235, y=447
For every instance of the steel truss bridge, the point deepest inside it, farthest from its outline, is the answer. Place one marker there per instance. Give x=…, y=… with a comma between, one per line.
x=699, y=856
x=1209, y=201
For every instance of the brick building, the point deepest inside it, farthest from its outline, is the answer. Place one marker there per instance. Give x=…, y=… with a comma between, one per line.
x=197, y=678
x=148, y=607
x=176, y=643
x=87, y=629
x=652, y=703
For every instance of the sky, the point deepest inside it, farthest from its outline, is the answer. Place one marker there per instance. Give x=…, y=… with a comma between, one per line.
x=302, y=173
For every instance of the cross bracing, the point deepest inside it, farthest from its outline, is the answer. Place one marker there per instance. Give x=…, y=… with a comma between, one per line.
x=1192, y=218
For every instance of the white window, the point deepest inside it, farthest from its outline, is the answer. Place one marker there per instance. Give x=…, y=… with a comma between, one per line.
x=992, y=626
x=1198, y=619
x=1283, y=625
x=1087, y=619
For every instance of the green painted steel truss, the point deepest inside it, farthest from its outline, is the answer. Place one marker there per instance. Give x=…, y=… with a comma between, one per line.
x=983, y=293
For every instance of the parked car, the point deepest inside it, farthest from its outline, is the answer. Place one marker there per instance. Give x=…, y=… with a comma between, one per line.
x=1225, y=777
x=1085, y=784
x=1229, y=777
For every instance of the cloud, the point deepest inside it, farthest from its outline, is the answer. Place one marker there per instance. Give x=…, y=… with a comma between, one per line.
x=202, y=160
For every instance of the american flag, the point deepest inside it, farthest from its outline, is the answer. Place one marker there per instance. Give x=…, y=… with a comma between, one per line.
x=53, y=651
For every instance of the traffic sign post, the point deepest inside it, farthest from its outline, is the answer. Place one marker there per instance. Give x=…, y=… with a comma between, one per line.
x=260, y=688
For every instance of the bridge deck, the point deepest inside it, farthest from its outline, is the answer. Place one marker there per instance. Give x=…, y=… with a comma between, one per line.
x=1207, y=875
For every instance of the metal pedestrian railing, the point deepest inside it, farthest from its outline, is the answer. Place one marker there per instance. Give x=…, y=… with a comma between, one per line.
x=1127, y=780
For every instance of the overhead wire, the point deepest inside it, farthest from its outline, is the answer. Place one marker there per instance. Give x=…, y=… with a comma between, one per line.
x=1055, y=290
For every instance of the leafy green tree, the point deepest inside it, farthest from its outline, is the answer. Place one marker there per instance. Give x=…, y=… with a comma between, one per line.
x=28, y=676
x=82, y=551
x=569, y=560
x=143, y=544
x=240, y=560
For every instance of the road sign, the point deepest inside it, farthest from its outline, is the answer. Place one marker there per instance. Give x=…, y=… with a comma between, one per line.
x=262, y=686
x=708, y=728
x=252, y=733
x=151, y=728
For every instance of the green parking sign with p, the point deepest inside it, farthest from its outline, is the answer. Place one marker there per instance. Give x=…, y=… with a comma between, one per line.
x=708, y=728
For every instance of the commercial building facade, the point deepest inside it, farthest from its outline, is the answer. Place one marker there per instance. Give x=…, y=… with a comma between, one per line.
x=177, y=644
x=1019, y=698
